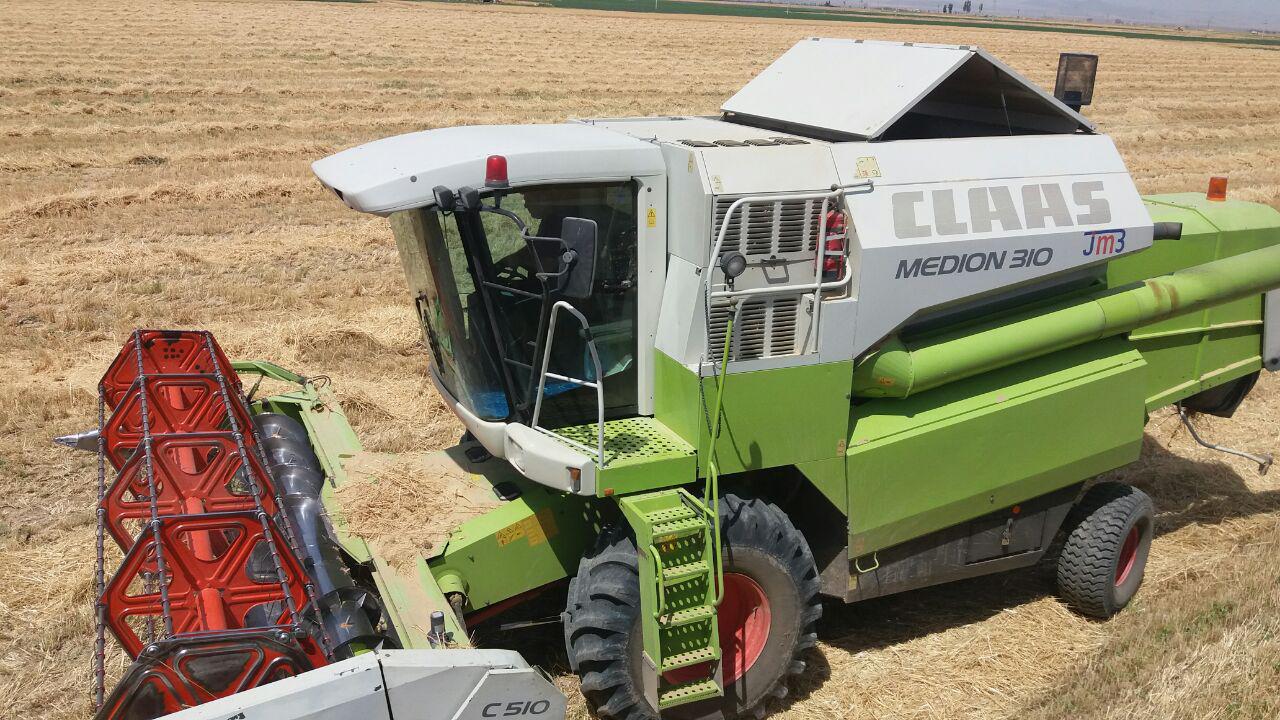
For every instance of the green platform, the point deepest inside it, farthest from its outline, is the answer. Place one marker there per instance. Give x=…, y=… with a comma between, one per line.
x=639, y=453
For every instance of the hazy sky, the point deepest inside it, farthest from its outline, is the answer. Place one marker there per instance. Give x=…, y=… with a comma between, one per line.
x=1247, y=14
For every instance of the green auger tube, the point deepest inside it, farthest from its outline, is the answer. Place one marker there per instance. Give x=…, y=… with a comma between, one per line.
x=897, y=370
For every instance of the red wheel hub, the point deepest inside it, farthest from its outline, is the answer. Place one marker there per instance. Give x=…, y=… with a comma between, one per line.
x=1128, y=556
x=744, y=620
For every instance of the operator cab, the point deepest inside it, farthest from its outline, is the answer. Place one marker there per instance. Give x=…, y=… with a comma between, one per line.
x=496, y=267
x=523, y=247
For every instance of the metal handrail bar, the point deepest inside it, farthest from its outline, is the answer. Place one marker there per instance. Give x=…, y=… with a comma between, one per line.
x=598, y=384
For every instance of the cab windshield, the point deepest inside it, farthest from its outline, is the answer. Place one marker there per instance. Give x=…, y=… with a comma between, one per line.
x=484, y=309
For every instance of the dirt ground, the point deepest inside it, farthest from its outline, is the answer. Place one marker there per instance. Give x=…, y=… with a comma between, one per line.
x=154, y=172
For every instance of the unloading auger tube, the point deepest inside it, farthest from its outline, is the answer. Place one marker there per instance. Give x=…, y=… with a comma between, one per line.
x=898, y=370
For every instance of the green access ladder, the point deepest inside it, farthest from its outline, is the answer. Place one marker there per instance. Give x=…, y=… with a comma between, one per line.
x=676, y=536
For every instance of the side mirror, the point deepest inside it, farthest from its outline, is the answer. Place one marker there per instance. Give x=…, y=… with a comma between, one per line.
x=578, y=263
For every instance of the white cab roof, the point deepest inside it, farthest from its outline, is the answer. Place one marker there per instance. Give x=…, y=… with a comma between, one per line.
x=858, y=89
x=400, y=172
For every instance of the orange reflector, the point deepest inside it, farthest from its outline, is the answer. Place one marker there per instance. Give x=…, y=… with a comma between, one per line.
x=1217, y=188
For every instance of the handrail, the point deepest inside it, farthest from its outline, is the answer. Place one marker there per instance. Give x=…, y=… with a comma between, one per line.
x=598, y=384
x=661, y=609
x=835, y=193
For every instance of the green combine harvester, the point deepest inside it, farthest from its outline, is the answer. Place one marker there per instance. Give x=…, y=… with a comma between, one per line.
x=874, y=327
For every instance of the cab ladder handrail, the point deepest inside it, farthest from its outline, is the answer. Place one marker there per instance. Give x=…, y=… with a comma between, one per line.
x=598, y=384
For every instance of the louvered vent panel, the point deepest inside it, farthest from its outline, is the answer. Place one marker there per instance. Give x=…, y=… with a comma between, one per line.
x=765, y=328
x=772, y=228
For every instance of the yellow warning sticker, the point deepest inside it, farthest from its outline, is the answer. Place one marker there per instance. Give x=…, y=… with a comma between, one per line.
x=537, y=529
x=868, y=167
x=652, y=219
x=510, y=534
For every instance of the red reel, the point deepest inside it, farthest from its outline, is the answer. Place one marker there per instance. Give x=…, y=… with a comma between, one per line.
x=221, y=577
x=164, y=352
x=175, y=404
x=194, y=473
x=173, y=676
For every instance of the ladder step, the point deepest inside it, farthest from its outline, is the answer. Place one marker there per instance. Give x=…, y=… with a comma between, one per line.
x=685, y=617
x=693, y=657
x=682, y=573
x=670, y=514
x=688, y=692
x=666, y=531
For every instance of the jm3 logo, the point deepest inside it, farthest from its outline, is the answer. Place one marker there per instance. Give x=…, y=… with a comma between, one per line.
x=1104, y=242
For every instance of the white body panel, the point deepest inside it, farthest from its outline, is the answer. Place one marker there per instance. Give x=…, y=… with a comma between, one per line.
x=400, y=172
x=979, y=218
x=865, y=86
x=397, y=684
x=1271, y=331
x=858, y=89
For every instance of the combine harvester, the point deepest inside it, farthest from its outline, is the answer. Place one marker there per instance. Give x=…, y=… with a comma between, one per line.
x=873, y=328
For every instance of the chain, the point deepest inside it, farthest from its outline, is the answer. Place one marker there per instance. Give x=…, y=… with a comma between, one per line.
x=99, y=568
x=253, y=486
x=166, y=616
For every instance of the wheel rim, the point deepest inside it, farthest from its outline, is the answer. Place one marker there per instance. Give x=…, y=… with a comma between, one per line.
x=1128, y=556
x=743, y=619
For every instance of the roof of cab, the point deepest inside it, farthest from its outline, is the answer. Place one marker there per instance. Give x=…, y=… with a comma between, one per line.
x=401, y=172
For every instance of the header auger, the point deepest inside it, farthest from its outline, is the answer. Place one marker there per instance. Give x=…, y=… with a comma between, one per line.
x=875, y=326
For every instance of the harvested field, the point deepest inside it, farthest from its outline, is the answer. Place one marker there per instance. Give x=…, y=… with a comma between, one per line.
x=409, y=503
x=154, y=172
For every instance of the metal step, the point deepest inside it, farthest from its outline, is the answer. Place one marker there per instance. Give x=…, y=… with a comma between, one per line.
x=692, y=657
x=688, y=692
x=671, y=514
x=675, y=529
x=689, y=616
x=684, y=573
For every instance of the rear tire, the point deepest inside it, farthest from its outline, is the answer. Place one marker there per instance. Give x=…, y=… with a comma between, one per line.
x=602, y=617
x=1105, y=552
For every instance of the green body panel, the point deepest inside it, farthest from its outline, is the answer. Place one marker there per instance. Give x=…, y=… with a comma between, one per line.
x=918, y=465
x=677, y=593
x=1194, y=351
x=523, y=544
x=771, y=418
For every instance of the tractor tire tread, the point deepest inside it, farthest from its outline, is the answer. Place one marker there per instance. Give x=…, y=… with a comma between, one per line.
x=1086, y=563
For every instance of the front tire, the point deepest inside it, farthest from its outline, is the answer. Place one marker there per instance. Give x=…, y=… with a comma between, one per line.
x=1105, y=553
x=766, y=620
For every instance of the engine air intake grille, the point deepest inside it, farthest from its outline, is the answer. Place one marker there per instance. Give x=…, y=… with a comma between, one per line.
x=772, y=228
x=765, y=328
